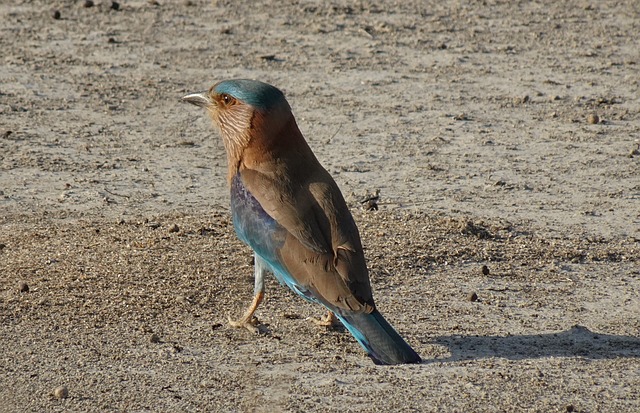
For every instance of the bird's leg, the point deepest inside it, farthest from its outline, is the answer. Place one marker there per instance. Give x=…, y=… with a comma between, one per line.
x=330, y=320
x=247, y=320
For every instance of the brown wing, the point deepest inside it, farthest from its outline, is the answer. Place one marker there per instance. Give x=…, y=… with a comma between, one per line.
x=323, y=251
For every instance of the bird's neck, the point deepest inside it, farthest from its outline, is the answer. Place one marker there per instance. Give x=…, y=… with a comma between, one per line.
x=268, y=142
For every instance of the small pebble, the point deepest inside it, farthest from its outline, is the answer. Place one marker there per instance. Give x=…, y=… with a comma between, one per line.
x=23, y=287
x=485, y=270
x=56, y=14
x=61, y=392
x=472, y=297
x=593, y=119
x=174, y=228
x=520, y=100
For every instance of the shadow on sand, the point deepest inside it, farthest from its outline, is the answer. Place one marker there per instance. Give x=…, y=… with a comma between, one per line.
x=578, y=341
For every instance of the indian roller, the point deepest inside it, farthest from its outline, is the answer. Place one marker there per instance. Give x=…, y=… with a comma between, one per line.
x=290, y=211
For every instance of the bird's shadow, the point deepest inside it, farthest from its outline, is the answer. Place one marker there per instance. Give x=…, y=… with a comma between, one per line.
x=578, y=341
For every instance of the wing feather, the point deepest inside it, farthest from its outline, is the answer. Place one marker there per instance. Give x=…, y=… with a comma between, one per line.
x=323, y=251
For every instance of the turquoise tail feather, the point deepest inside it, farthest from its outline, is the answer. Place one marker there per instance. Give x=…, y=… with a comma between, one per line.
x=378, y=338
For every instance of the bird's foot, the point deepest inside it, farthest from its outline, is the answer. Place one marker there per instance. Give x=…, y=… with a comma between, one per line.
x=329, y=321
x=247, y=320
x=250, y=323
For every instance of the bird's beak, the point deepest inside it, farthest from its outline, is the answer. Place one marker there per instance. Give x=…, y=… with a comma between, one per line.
x=199, y=99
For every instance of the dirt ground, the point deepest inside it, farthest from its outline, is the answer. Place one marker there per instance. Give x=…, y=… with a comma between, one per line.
x=500, y=134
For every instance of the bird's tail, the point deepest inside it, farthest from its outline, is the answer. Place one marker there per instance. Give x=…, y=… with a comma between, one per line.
x=378, y=338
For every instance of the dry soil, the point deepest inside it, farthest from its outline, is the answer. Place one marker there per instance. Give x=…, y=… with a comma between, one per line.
x=500, y=134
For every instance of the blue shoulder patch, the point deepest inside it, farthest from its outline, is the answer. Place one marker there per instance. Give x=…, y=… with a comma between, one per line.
x=258, y=94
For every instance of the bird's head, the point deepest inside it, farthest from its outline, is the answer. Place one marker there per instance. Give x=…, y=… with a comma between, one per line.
x=244, y=110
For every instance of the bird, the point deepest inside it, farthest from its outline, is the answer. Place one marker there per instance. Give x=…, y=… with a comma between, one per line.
x=290, y=211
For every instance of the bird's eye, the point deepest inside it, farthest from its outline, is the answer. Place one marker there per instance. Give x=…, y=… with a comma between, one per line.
x=226, y=99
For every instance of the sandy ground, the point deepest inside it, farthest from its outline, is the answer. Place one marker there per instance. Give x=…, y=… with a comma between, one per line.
x=119, y=267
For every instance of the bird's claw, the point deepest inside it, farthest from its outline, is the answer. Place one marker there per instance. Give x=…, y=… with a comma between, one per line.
x=250, y=323
x=329, y=321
